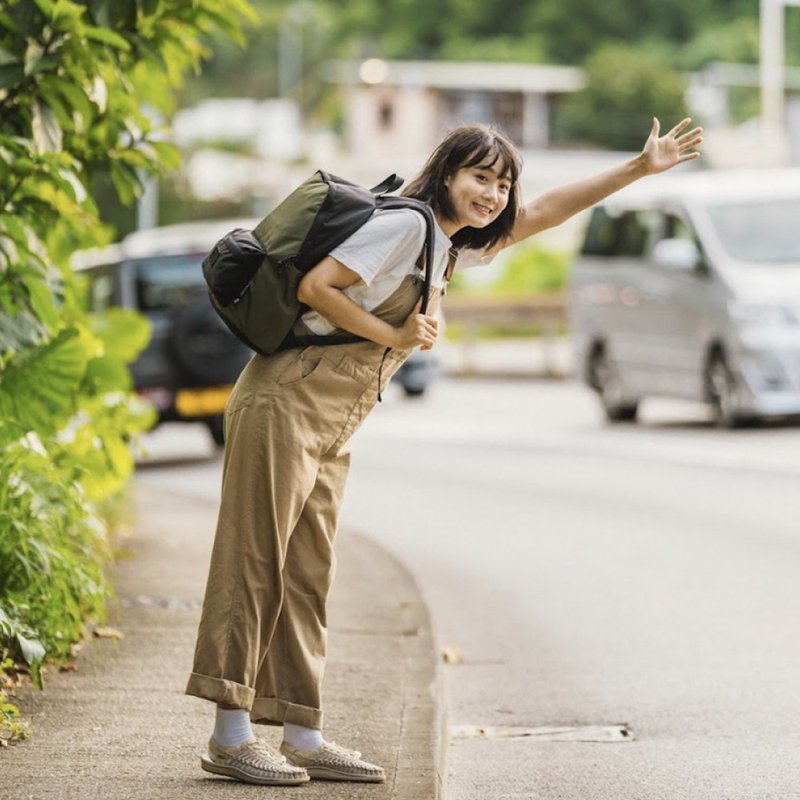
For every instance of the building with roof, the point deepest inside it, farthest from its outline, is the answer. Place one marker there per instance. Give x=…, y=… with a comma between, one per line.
x=404, y=107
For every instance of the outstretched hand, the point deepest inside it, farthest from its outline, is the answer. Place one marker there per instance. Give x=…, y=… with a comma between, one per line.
x=661, y=153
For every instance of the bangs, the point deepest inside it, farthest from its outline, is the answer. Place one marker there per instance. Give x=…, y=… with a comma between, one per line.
x=488, y=154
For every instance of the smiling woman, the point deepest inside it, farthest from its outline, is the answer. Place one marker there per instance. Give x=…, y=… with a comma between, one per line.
x=261, y=646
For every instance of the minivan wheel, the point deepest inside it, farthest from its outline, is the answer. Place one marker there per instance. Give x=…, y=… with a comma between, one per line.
x=606, y=381
x=721, y=390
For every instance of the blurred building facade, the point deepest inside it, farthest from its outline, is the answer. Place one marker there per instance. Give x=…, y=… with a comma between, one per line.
x=404, y=107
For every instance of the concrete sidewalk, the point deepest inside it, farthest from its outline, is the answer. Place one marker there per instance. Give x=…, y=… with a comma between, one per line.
x=120, y=727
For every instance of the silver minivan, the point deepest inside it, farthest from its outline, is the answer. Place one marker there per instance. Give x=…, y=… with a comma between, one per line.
x=688, y=286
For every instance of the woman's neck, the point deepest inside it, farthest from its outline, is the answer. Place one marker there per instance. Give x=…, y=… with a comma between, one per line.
x=448, y=227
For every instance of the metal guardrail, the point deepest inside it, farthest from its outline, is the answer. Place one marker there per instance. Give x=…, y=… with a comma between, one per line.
x=548, y=312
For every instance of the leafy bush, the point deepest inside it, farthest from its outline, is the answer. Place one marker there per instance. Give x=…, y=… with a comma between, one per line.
x=73, y=80
x=527, y=269
x=530, y=269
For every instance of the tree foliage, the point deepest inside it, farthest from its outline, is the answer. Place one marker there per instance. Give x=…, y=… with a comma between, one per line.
x=624, y=87
x=680, y=35
x=76, y=81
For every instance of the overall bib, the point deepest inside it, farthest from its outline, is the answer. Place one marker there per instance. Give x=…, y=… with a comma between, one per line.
x=262, y=639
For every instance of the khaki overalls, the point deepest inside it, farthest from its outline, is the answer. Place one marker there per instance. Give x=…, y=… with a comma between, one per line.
x=263, y=631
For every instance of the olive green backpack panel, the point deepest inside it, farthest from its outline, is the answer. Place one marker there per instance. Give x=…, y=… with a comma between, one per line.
x=285, y=228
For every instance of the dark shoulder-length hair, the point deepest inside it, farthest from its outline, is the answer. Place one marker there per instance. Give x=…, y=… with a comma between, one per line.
x=470, y=146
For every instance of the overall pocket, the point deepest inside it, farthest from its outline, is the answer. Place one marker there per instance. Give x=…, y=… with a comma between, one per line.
x=302, y=366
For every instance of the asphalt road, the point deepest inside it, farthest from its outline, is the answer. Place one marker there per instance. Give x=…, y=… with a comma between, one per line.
x=583, y=576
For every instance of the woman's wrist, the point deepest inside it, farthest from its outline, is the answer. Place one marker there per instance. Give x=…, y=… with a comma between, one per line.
x=639, y=166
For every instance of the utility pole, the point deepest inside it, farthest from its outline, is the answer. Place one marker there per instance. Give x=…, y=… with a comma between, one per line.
x=772, y=63
x=290, y=46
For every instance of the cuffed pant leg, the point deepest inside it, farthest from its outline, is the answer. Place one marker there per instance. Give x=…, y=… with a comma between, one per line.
x=262, y=498
x=289, y=682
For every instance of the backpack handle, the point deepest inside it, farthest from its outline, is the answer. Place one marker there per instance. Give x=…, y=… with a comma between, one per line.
x=389, y=184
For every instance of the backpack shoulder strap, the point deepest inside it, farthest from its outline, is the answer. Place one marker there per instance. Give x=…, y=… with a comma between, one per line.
x=427, y=215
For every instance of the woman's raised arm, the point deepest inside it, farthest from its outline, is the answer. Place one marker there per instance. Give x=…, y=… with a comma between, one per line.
x=659, y=154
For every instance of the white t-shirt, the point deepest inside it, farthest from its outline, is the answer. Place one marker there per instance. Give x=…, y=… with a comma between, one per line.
x=383, y=251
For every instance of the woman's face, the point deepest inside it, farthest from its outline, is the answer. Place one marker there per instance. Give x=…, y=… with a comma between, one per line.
x=478, y=195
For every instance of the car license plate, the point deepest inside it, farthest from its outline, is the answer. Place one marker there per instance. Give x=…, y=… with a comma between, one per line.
x=202, y=402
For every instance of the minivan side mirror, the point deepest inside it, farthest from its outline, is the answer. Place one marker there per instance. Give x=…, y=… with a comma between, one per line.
x=677, y=254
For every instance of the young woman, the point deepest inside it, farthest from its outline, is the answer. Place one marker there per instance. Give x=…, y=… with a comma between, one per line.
x=262, y=639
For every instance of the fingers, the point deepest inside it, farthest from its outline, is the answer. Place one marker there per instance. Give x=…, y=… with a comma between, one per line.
x=694, y=137
x=426, y=330
x=656, y=128
x=679, y=127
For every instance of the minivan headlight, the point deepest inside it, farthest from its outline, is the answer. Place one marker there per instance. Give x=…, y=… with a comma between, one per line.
x=764, y=316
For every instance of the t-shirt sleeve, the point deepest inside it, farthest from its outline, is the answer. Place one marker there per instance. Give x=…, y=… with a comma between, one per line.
x=468, y=257
x=382, y=242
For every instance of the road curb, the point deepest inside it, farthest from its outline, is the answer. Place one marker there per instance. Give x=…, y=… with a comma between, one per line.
x=424, y=737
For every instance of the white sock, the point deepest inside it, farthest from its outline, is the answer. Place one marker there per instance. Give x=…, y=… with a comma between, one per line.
x=232, y=727
x=302, y=739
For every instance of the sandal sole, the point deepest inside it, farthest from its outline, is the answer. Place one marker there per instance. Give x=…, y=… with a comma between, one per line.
x=239, y=775
x=328, y=774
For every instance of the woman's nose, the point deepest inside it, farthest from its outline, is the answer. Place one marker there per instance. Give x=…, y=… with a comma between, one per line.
x=490, y=191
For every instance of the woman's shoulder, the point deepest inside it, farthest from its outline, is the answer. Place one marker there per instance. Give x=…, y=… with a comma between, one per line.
x=389, y=236
x=400, y=220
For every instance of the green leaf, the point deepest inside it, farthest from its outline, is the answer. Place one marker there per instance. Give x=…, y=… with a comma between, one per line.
x=11, y=75
x=124, y=333
x=7, y=22
x=98, y=94
x=37, y=389
x=106, y=374
x=32, y=650
x=168, y=154
x=54, y=101
x=46, y=6
x=125, y=181
x=34, y=58
x=74, y=95
x=108, y=37
x=7, y=58
x=47, y=133
x=42, y=303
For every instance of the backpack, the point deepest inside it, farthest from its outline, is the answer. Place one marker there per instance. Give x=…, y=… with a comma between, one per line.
x=252, y=276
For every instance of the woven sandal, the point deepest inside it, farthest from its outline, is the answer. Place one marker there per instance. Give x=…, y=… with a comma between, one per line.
x=334, y=763
x=252, y=762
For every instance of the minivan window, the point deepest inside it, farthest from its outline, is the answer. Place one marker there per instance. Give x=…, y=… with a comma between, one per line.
x=759, y=231
x=617, y=235
x=164, y=283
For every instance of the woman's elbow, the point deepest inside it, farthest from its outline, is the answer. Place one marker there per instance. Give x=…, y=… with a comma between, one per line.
x=307, y=290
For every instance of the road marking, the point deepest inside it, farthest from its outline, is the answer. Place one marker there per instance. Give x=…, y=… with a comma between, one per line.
x=581, y=733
